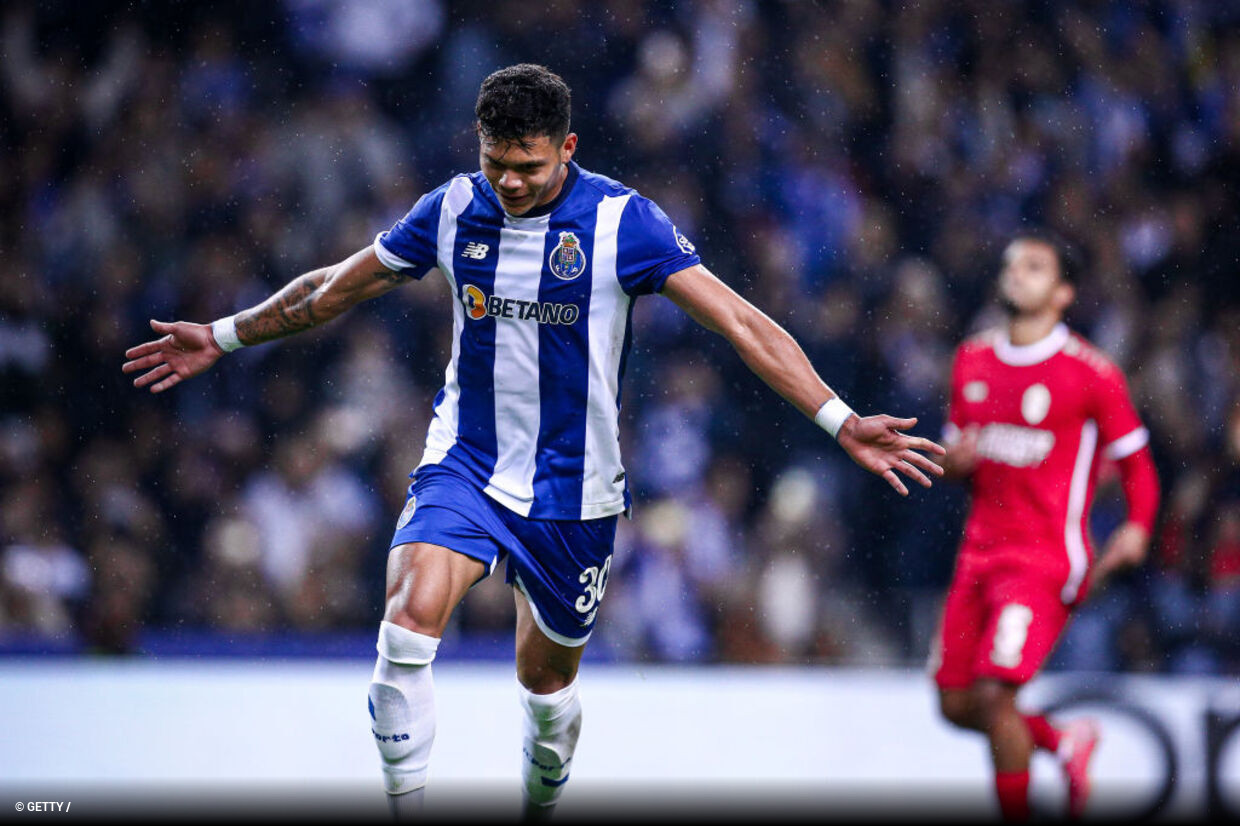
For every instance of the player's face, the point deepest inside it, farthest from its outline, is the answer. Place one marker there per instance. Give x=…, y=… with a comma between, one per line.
x=1029, y=283
x=525, y=176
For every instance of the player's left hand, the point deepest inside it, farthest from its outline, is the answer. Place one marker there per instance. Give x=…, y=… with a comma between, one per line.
x=1125, y=549
x=876, y=443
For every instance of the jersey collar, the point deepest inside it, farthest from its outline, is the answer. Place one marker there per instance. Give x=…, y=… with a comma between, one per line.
x=570, y=178
x=1026, y=354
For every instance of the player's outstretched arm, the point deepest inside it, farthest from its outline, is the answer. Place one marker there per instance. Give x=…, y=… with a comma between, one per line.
x=1129, y=543
x=186, y=349
x=877, y=443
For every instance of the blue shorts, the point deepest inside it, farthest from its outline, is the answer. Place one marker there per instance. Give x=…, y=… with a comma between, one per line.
x=561, y=566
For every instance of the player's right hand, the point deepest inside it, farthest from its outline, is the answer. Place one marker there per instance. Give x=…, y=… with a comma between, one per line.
x=184, y=350
x=1126, y=548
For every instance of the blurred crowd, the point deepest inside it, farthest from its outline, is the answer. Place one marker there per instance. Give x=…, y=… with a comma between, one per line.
x=853, y=168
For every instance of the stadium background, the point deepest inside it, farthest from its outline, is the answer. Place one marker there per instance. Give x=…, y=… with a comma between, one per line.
x=853, y=168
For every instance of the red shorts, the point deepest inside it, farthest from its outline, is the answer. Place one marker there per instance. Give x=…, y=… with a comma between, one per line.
x=1001, y=619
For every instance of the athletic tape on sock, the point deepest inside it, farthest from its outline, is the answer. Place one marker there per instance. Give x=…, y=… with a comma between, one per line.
x=400, y=645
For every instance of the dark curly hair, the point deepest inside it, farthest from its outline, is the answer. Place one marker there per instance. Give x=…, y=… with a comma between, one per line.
x=522, y=102
x=1070, y=258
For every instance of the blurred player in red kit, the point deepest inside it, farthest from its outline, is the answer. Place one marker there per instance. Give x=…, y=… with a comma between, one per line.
x=1034, y=409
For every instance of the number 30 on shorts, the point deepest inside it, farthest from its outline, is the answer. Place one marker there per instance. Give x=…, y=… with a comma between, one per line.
x=594, y=579
x=1010, y=635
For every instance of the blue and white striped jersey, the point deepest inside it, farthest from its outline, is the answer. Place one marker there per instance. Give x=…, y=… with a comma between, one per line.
x=530, y=405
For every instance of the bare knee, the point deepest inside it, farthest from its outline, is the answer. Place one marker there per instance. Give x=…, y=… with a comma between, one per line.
x=996, y=703
x=413, y=606
x=959, y=708
x=545, y=676
x=415, y=619
x=424, y=585
x=543, y=665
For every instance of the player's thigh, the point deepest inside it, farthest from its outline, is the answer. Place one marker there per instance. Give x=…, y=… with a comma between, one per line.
x=543, y=665
x=446, y=540
x=425, y=583
x=961, y=626
x=1026, y=617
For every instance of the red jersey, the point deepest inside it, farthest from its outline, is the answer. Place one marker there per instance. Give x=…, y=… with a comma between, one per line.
x=1047, y=412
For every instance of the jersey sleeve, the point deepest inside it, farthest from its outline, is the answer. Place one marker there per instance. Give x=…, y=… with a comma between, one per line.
x=411, y=246
x=649, y=248
x=1120, y=430
x=954, y=423
x=1141, y=489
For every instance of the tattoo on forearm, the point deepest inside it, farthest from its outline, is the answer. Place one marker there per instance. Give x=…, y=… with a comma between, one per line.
x=291, y=310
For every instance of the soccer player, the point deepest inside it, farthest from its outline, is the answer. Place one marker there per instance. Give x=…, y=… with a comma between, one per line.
x=544, y=260
x=1034, y=407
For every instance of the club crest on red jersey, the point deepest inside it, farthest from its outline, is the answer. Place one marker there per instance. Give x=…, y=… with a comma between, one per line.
x=1035, y=403
x=568, y=259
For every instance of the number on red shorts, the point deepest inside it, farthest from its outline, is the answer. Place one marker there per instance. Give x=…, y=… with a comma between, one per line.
x=1010, y=635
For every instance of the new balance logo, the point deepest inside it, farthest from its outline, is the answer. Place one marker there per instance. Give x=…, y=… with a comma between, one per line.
x=475, y=250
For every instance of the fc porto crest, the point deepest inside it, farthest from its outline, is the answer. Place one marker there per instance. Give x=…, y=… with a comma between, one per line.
x=568, y=259
x=407, y=513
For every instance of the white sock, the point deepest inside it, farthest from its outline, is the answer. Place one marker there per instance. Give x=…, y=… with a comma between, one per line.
x=552, y=725
x=402, y=706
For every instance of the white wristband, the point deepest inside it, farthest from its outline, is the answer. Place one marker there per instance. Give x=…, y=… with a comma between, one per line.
x=832, y=415
x=225, y=332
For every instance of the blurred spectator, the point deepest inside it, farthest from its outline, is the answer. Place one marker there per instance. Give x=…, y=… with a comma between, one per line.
x=308, y=509
x=368, y=36
x=677, y=83
x=672, y=572
x=227, y=590
x=674, y=447
x=43, y=579
x=1195, y=588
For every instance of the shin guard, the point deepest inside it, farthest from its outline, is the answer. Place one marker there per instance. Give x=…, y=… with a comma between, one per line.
x=552, y=725
x=402, y=706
